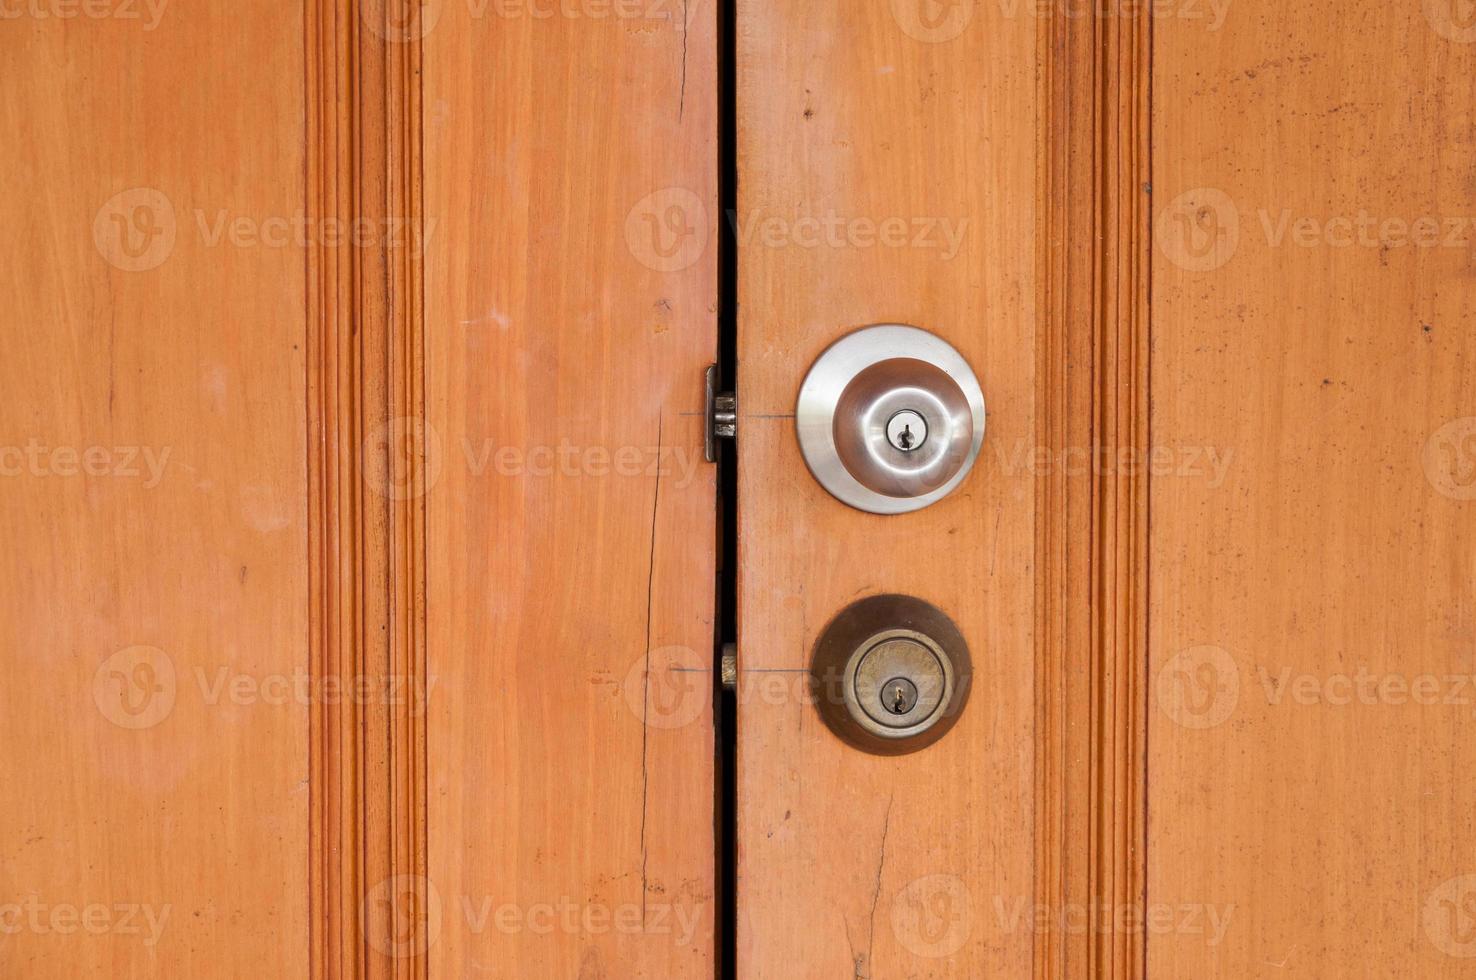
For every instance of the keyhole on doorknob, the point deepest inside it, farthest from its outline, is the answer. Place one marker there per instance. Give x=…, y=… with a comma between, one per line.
x=899, y=695
x=907, y=430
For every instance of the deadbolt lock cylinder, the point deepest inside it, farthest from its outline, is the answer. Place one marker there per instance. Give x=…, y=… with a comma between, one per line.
x=891, y=674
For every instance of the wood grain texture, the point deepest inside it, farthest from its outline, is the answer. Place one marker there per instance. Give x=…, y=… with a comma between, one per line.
x=1092, y=527
x=154, y=581
x=851, y=116
x=1312, y=610
x=570, y=171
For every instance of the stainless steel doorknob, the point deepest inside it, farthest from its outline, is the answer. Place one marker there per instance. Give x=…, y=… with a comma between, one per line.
x=890, y=419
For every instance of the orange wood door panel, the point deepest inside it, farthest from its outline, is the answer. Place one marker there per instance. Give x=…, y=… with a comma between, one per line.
x=851, y=118
x=1312, y=612
x=305, y=675
x=359, y=607
x=571, y=313
x=154, y=584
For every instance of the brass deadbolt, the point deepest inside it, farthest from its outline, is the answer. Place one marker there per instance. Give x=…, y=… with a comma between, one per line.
x=891, y=674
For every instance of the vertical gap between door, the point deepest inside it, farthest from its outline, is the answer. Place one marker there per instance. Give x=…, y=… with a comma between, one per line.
x=726, y=810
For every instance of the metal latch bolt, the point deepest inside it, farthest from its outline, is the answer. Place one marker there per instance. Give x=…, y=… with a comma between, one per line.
x=722, y=414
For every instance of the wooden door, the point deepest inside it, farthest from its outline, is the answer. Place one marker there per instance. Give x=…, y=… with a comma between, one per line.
x=571, y=306
x=851, y=864
x=358, y=598
x=367, y=579
x=1311, y=620
x=157, y=582
x=1216, y=558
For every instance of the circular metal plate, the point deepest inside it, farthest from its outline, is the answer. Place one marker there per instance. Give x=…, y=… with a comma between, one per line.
x=871, y=645
x=851, y=398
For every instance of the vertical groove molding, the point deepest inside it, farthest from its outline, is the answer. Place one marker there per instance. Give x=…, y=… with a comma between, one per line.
x=367, y=471
x=1093, y=507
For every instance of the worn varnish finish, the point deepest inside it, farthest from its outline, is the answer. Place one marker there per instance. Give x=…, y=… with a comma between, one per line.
x=853, y=865
x=1341, y=540
x=128, y=590
x=569, y=318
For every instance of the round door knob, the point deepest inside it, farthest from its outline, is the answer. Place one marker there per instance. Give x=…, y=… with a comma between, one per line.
x=891, y=674
x=890, y=419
